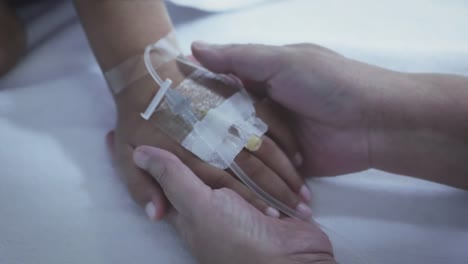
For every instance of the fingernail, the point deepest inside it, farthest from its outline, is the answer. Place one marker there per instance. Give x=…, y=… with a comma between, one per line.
x=150, y=210
x=141, y=159
x=272, y=212
x=298, y=160
x=304, y=210
x=305, y=193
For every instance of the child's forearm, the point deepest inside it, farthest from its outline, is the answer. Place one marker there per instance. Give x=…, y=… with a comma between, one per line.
x=119, y=29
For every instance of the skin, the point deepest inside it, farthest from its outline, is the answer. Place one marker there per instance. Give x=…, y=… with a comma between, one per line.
x=235, y=231
x=12, y=38
x=349, y=116
x=118, y=30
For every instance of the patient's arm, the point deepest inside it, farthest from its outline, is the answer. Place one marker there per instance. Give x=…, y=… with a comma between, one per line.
x=118, y=30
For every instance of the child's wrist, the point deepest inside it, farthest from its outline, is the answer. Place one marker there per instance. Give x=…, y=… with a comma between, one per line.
x=135, y=97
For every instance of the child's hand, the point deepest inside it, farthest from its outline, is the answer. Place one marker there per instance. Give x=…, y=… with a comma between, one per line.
x=271, y=167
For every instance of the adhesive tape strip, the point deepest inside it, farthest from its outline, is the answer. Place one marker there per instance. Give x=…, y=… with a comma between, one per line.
x=133, y=69
x=228, y=127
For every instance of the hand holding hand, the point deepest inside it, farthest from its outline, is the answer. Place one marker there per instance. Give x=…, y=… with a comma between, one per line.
x=221, y=227
x=329, y=98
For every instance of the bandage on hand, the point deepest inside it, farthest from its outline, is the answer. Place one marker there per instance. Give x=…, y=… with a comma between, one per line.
x=270, y=166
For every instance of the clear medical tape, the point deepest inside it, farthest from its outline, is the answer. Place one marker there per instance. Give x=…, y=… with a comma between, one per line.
x=137, y=67
x=134, y=68
x=179, y=106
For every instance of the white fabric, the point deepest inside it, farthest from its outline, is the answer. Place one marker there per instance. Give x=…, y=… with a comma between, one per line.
x=61, y=202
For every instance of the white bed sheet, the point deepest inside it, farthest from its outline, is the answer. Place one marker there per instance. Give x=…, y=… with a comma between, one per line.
x=61, y=202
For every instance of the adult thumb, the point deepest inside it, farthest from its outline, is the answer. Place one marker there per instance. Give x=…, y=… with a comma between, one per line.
x=184, y=190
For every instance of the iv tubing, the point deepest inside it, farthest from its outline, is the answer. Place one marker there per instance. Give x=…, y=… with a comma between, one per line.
x=165, y=90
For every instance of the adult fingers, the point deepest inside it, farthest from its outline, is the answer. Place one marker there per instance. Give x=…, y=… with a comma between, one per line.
x=259, y=63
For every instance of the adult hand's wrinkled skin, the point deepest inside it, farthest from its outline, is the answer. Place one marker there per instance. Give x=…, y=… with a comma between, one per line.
x=328, y=97
x=349, y=116
x=221, y=227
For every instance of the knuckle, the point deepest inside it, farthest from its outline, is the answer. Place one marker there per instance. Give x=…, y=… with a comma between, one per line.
x=235, y=49
x=276, y=56
x=280, y=58
x=171, y=159
x=268, y=145
x=223, y=194
x=159, y=171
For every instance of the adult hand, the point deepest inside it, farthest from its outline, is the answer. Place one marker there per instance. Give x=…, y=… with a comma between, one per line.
x=329, y=97
x=221, y=227
x=350, y=116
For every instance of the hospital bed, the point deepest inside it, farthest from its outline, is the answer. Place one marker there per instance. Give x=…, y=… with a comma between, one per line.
x=61, y=200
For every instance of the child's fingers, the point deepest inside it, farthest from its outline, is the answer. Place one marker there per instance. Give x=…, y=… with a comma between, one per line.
x=218, y=179
x=142, y=187
x=212, y=176
x=272, y=156
x=185, y=191
x=279, y=130
x=271, y=183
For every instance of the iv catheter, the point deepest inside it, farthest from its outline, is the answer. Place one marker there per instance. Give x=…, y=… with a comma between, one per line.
x=180, y=105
